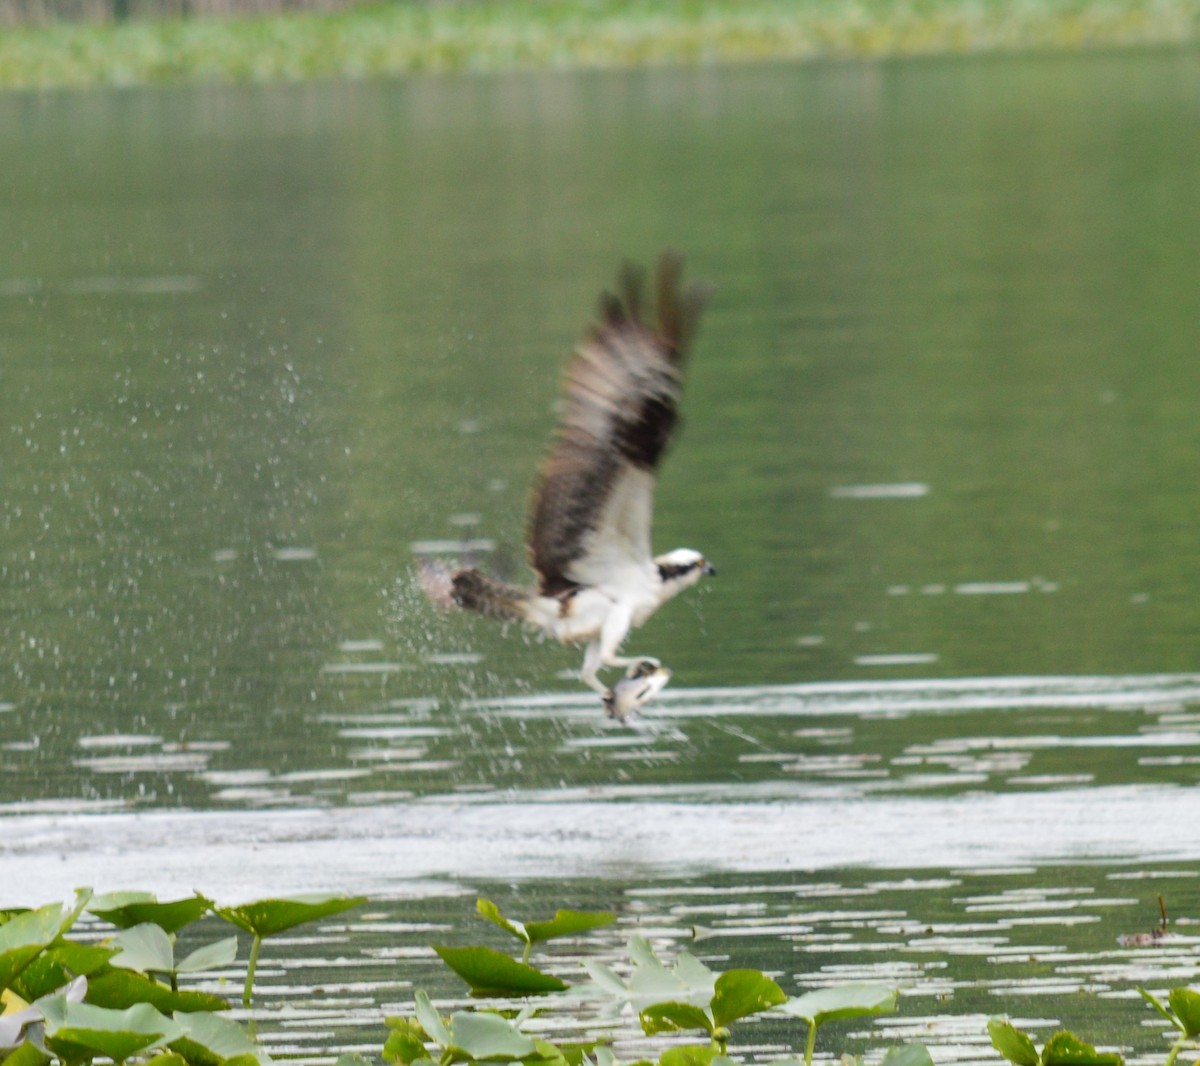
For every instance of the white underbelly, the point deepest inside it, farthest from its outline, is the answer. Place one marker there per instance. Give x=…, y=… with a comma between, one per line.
x=586, y=612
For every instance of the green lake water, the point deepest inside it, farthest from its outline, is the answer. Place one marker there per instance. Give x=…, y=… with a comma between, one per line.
x=937, y=720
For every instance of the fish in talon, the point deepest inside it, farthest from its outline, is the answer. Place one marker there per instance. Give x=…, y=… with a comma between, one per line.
x=642, y=681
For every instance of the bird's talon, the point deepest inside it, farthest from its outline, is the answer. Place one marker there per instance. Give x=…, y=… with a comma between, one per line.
x=643, y=667
x=610, y=706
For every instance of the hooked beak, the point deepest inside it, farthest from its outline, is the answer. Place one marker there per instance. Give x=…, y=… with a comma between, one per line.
x=708, y=570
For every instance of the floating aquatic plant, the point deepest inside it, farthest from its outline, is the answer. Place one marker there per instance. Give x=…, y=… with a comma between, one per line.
x=266, y=917
x=1062, y=1049
x=72, y=1003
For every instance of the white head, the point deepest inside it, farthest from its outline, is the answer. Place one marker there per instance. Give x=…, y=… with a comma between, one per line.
x=682, y=568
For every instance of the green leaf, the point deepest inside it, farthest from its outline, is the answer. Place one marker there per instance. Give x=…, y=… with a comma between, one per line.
x=606, y=979
x=642, y=953
x=167, y=1058
x=689, y=981
x=57, y=966
x=430, y=1020
x=491, y=972
x=26, y=1055
x=127, y=909
x=1185, y=1004
x=575, y=1054
x=146, y=948
x=210, y=957
x=693, y=973
x=1013, y=1044
x=79, y=959
x=76, y=1031
x=491, y=912
x=1159, y=1006
x=210, y=1040
x=1066, y=1049
x=24, y=937
x=266, y=917
x=845, y=1001
x=739, y=993
x=673, y=1018
x=405, y=1043
x=688, y=1055
x=908, y=1055
x=485, y=1035
x=568, y=923
x=117, y=989
x=350, y=1058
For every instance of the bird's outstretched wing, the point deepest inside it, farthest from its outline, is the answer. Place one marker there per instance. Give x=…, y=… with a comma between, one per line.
x=594, y=496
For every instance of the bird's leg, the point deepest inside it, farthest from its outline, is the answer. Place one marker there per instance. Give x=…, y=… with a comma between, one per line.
x=634, y=663
x=603, y=652
x=593, y=659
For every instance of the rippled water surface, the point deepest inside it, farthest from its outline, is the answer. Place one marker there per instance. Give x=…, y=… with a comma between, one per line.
x=936, y=723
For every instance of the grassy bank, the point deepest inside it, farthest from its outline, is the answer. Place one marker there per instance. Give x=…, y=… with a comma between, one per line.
x=404, y=37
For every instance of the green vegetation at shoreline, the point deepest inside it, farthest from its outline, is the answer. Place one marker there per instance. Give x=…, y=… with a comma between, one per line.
x=407, y=37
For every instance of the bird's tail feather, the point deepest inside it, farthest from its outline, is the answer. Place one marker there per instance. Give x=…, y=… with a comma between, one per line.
x=473, y=590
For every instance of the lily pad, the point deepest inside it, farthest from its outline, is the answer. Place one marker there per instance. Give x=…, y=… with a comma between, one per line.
x=673, y=1018
x=908, y=1055
x=210, y=1040
x=491, y=912
x=127, y=909
x=27, y=1055
x=485, y=1035
x=167, y=1058
x=1185, y=1005
x=57, y=966
x=1013, y=1044
x=1066, y=1049
x=79, y=1031
x=430, y=1020
x=568, y=923
x=739, y=993
x=405, y=1042
x=689, y=1055
x=688, y=981
x=25, y=937
x=209, y=957
x=118, y=989
x=606, y=979
x=844, y=1001
x=266, y=917
x=491, y=972
x=564, y=923
x=147, y=948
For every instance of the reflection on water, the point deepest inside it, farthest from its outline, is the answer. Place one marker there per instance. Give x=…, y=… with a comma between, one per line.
x=260, y=349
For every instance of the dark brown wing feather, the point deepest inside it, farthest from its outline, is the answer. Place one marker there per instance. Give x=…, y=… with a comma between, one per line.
x=622, y=392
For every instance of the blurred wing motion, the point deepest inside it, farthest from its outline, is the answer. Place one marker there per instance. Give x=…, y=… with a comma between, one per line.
x=594, y=498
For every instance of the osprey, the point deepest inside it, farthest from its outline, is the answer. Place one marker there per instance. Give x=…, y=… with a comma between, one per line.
x=589, y=524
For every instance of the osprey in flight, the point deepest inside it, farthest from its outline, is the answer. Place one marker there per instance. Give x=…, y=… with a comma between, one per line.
x=589, y=525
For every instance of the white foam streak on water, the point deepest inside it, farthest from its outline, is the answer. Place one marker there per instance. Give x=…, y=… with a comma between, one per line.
x=938, y=696
x=944, y=696
x=381, y=850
